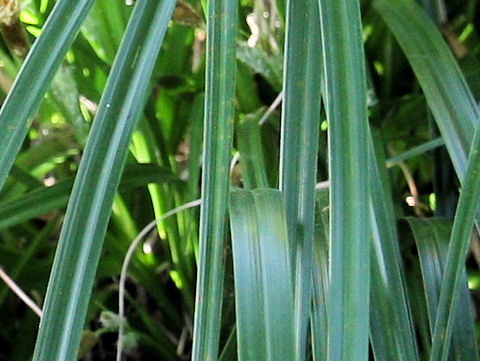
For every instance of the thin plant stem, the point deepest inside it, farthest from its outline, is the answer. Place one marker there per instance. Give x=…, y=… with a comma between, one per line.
x=272, y=107
x=20, y=293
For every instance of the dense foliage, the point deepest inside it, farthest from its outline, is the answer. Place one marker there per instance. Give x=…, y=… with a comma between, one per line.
x=320, y=235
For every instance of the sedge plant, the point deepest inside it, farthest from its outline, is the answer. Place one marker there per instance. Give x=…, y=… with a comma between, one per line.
x=331, y=147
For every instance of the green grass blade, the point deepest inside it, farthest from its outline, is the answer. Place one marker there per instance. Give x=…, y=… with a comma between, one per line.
x=318, y=321
x=249, y=298
x=263, y=276
x=451, y=102
x=229, y=352
x=391, y=328
x=457, y=254
x=219, y=113
x=98, y=176
x=430, y=262
x=252, y=161
x=416, y=296
x=195, y=136
x=35, y=76
x=415, y=151
x=146, y=150
x=456, y=113
x=47, y=199
x=345, y=100
x=35, y=203
x=299, y=148
x=104, y=27
x=432, y=238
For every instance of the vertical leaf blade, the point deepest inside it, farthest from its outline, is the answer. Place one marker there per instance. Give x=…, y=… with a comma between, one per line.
x=299, y=148
x=457, y=254
x=391, y=329
x=345, y=99
x=432, y=239
x=263, y=276
x=219, y=113
x=318, y=321
x=249, y=301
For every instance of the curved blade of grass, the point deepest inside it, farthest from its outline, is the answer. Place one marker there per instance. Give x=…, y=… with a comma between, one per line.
x=35, y=76
x=451, y=101
x=299, y=148
x=416, y=295
x=391, y=328
x=90, y=205
x=218, y=128
x=346, y=108
x=229, y=352
x=263, y=276
x=457, y=254
x=415, y=151
x=430, y=263
x=432, y=237
x=47, y=199
x=464, y=339
x=456, y=114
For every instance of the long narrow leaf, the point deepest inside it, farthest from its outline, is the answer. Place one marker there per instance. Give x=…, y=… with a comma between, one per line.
x=457, y=254
x=263, y=276
x=219, y=113
x=299, y=147
x=319, y=312
x=432, y=237
x=35, y=76
x=345, y=100
x=249, y=298
x=389, y=301
x=90, y=205
x=451, y=101
x=47, y=199
x=456, y=114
